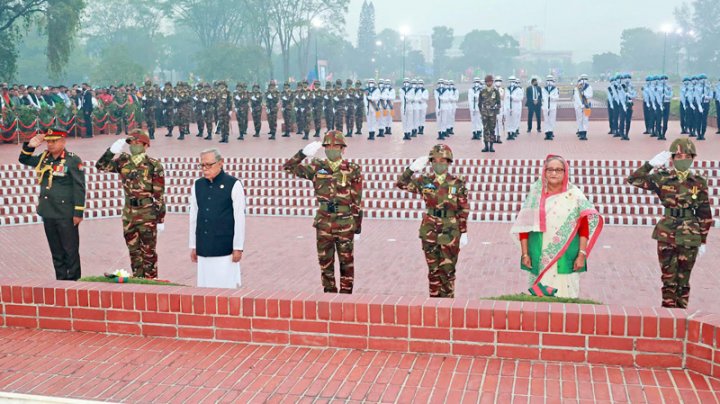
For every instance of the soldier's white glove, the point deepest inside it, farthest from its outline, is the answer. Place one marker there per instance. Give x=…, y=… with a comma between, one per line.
x=311, y=149
x=176, y=99
x=118, y=146
x=164, y=100
x=143, y=98
x=229, y=113
x=419, y=163
x=661, y=159
x=701, y=250
x=195, y=98
x=464, y=240
x=302, y=109
x=269, y=97
x=253, y=98
x=336, y=98
x=356, y=238
x=160, y=227
x=237, y=98
x=204, y=99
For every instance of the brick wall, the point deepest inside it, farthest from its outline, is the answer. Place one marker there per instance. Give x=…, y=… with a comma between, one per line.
x=628, y=336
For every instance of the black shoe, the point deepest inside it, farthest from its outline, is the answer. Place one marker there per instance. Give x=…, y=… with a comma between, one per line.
x=421, y=130
x=388, y=131
x=241, y=137
x=583, y=135
x=224, y=139
x=286, y=134
x=529, y=130
x=451, y=131
x=701, y=137
x=371, y=136
x=358, y=132
x=381, y=133
x=349, y=134
x=547, y=136
x=306, y=135
x=492, y=148
x=487, y=148
x=539, y=130
x=552, y=135
x=208, y=137
x=717, y=132
x=317, y=133
x=661, y=138
x=414, y=133
x=169, y=134
x=646, y=133
x=407, y=136
x=181, y=137
x=257, y=134
x=625, y=137
x=441, y=136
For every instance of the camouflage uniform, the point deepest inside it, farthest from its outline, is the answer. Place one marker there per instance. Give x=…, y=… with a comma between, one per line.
x=120, y=111
x=359, y=107
x=149, y=103
x=316, y=101
x=329, y=106
x=442, y=224
x=287, y=108
x=349, y=107
x=210, y=109
x=302, y=103
x=489, y=103
x=340, y=104
x=144, y=186
x=199, y=108
x=168, y=103
x=223, y=109
x=271, y=106
x=256, y=97
x=242, y=101
x=684, y=227
x=183, y=100
x=339, y=216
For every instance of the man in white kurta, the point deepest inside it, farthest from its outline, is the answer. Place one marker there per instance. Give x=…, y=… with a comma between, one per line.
x=217, y=224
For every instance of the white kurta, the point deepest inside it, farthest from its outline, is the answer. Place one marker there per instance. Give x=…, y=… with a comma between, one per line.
x=221, y=272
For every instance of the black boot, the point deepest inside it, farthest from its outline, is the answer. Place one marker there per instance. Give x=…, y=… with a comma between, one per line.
x=388, y=131
x=451, y=131
x=625, y=136
x=492, y=148
x=371, y=135
x=421, y=130
x=487, y=148
x=272, y=136
x=552, y=135
x=441, y=136
x=497, y=140
x=200, y=134
x=700, y=137
x=317, y=133
x=413, y=133
x=209, y=136
x=583, y=135
x=257, y=134
x=182, y=136
x=286, y=134
x=224, y=138
x=349, y=134
x=358, y=132
x=152, y=134
x=407, y=136
x=381, y=133
x=306, y=135
x=547, y=136
x=241, y=136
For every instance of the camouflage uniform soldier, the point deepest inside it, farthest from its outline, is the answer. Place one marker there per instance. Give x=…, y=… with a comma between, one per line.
x=242, y=106
x=489, y=103
x=349, y=107
x=272, y=97
x=143, y=215
x=183, y=100
x=359, y=107
x=199, y=108
x=338, y=189
x=287, y=108
x=149, y=103
x=302, y=103
x=210, y=109
x=682, y=233
x=444, y=226
x=316, y=100
x=224, y=110
x=329, y=106
x=340, y=105
x=120, y=111
x=256, y=98
x=168, y=104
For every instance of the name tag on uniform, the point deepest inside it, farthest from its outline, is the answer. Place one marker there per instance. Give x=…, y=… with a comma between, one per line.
x=669, y=188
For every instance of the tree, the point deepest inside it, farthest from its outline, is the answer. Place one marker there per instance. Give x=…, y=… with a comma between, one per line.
x=442, y=39
x=116, y=67
x=415, y=63
x=606, y=62
x=489, y=51
x=214, y=21
x=59, y=20
x=366, y=39
x=642, y=49
x=232, y=63
x=388, y=56
x=703, y=18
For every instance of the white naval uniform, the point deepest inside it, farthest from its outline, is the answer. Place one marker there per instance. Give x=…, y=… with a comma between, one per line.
x=475, y=117
x=583, y=121
x=550, y=97
x=373, y=96
x=513, y=108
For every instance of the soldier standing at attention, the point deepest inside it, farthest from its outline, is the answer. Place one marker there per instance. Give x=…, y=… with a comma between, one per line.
x=168, y=103
x=224, y=110
x=349, y=107
x=149, y=104
x=287, y=108
x=340, y=104
x=210, y=105
x=241, y=100
x=183, y=100
x=489, y=103
x=317, y=107
x=682, y=233
x=338, y=189
x=143, y=215
x=256, y=97
x=329, y=106
x=302, y=103
x=444, y=226
x=271, y=106
x=359, y=107
x=61, y=205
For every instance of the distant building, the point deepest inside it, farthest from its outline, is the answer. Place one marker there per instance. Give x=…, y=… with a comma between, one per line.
x=421, y=42
x=530, y=38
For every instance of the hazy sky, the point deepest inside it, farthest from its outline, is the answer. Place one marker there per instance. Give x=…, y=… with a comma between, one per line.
x=584, y=27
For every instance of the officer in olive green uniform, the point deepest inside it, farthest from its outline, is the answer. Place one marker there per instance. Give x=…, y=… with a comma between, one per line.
x=272, y=96
x=143, y=215
x=242, y=106
x=444, y=226
x=168, y=105
x=256, y=101
x=61, y=205
x=150, y=96
x=359, y=106
x=287, y=109
x=338, y=189
x=339, y=103
x=349, y=107
x=682, y=233
x=223, y=107
x=329, y=106
x=316, y=101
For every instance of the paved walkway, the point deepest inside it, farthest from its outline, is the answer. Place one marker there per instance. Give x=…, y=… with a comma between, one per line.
x=139, y=370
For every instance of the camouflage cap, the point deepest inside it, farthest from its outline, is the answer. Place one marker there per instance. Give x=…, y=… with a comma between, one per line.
x=358, y=83
x=441, y=151
x=138, y=135
x=148, y=82
x=348, y=82
x=334, y=138
x=338, y=82
x=683, y=145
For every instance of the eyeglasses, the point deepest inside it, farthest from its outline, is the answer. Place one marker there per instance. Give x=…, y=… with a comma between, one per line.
x=555, y=170
x=207, y=166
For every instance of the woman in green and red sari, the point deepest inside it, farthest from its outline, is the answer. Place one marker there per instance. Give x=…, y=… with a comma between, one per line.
x=556, y=228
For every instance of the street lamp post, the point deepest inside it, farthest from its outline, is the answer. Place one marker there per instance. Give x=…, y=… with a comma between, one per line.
x=317, y=23
x=404, y=31
x=378, y=44
x=666, y=28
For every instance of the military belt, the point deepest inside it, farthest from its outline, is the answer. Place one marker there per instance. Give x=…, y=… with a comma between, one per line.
x=138, y=203
x=442, y=213
x=331, y=207
x=680, y=212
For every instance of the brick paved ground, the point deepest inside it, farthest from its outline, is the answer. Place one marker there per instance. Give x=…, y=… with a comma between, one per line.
x=136, y=369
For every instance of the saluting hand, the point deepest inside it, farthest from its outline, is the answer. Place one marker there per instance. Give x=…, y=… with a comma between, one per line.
x=36, y=140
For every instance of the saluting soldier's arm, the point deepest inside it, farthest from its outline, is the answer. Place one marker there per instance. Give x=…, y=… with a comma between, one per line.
x=106, y=162
x=27, y=157
x=158, y=190
x=408, y=182
x=644, y=178
x=77, y=172
x=463, y=205
x=295, y=167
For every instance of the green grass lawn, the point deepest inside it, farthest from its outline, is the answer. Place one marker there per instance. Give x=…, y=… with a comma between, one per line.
x=544, y=299
x=140, y=281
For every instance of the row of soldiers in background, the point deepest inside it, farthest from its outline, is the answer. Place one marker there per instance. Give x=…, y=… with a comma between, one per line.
x=413, y=107
x=621, y=96
x=696, y=93
x=303, y=108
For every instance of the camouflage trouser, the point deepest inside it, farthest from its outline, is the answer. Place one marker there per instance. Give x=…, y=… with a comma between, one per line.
x=150, y=120
x=272, y=116
x=287, y=120
x=257, y=116
x=242, y=119
x=489, y=122
x=223, y=123
x=317, y=118
x=169, y=118
x=350, y=118
x=339, y=118
x=184, y=118
x=209, y=120
x=200, y=119
x=140, y=231
x=676, y=263
x=329, y=119
x=302, y=121
x=441, y=260
x=359, y=118
x=336, y=233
